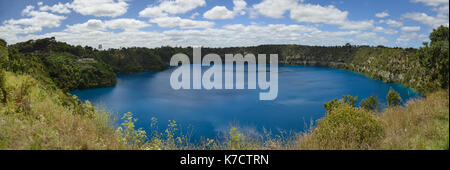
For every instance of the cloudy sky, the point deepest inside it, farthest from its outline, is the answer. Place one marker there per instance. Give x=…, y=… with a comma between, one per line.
x=223, y=23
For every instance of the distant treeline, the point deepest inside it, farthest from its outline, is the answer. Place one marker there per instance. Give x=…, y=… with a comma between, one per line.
x=76, y=67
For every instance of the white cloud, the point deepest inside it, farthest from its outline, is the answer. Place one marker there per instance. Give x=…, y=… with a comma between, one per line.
x=194, y=15
x=94, y=32
x=410, y=28
x=221, y=12
x=171, y=7
x=440, y=6
x=169, y=22
x=180, y=6
x=382, y=14
x=310, y=13
x=93, y=25
x=275, y=8
x=328, y=15
x=36, y=21
x=152, y=12
x=426, y=19
x=57, y=8
x=318, y=14
x=100, y=8
x=89, y=26
x=126, y=24
x=239, y=5
x=385, y=31
x=432, y=2
x=371, y=38
x=359, y=25
x=442, y=10
x=27, y=9
x=161, y=14
x=412, y=37
x=392, y=23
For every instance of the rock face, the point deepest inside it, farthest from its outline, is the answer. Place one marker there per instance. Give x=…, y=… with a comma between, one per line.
x=386, y=64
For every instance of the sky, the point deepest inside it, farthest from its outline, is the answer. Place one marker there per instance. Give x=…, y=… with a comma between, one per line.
x=223, y=23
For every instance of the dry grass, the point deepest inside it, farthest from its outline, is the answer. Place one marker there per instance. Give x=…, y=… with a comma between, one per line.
x=422, y=124
x=37, y=119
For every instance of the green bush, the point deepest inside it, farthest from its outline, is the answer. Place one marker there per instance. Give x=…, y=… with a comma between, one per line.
x=347, y=127
x=350, y=100
x=346, y=99
x=236, y=139
x=393, y=98
x=128, y=134
x=370, y=104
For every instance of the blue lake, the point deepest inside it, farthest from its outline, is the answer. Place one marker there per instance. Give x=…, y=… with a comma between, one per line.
x=302, y=92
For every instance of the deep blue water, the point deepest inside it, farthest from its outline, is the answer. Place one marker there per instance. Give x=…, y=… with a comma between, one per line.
x=302, y=92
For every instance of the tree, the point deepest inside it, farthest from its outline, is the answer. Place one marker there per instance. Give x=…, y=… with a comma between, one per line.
x=348, y=45
x=3, y=43
x=3, y=54
x=439, y=34
x=369, y=104
x=434, y=57
x=393, y=98
x=3, y=90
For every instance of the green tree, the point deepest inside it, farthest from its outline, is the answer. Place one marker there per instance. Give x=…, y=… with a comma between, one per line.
x=369, y=104
x=3, y=54
x=434, y=57
x=2, y=43
x=3, y=91
x=393, y=98
x=439, y=34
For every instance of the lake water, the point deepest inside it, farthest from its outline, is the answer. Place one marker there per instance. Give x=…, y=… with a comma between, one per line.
x=302, y=92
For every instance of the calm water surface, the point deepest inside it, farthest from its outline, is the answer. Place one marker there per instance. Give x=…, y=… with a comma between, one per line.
x=302, y=92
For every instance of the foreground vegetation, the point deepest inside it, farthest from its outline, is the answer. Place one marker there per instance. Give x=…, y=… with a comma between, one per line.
x=37, y=112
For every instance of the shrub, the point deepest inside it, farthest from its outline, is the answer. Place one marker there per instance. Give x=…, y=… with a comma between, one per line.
x=347, y=127
x=346, y=99
x=393, y=98
x=350, y=100
x=236, y=139
x=369, y=104
x=128, y=134
x=329, y=106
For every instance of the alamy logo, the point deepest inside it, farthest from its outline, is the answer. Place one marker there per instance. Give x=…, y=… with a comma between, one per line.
x=215, y=72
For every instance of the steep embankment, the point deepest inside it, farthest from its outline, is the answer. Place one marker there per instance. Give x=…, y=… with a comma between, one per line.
x=36, y=116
